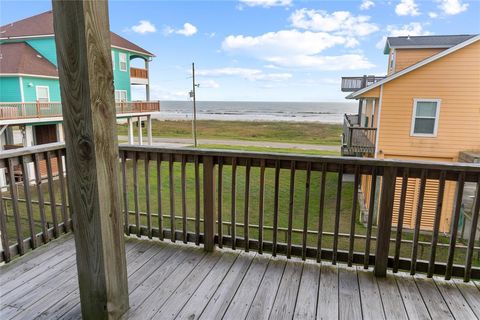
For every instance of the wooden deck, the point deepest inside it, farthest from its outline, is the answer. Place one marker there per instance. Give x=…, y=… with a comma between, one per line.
x=168, y=281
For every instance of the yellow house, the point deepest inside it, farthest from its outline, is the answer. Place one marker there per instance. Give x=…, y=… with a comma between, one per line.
x=426, y=108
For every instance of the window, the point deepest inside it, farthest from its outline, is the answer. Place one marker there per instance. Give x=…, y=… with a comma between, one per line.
x=113, y=60
x=425, y=117
x=392, y=62
x=120, y=95
x=43, y=94
x=123, y=61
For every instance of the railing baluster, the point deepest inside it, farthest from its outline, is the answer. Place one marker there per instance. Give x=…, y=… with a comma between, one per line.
x=290, y=208
x=275, y=207
x=172, y=197
x=456, y=217
x=197, y=202
x=337, y=213
x=321, y=211
x=63, y=195
x=184, y=198
x=261, y=204
x=418, y=221
x=233, y=203
x=473, y=232
x=208, y=203
x=305, y=210
x=41, y=200
x=353, y=216
x=16, y=212
x=147, y=193
x=51, y=193
x=220, y=201
x=373, y=186
x=125, y=193
x=436, y=224
x=246, y=205
x=159, y=196
x=401, y=214
x=135, y=193
x=28, y=202
x=4, y=234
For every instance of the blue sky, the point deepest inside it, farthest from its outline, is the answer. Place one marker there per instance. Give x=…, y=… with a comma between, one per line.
x=270, y=50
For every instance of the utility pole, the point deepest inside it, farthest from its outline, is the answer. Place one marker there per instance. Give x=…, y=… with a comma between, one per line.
x=192, y=94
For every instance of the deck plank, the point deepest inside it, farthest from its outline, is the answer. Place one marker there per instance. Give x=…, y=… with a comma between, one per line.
x=284, y=305
x=195, y=305
x=308, y=292
x=349, y=305
x=412, y=299
x=219, y=302
x=371, y=300
x=432, y=298
x=471, y=293
x=391, y=298
x=267, y=291
x=241, y=302
x=455, y=300
x=327, y=305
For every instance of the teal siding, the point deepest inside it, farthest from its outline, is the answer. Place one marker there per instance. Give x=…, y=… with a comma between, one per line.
x=10, y=89
x=30, y=92
x=121, y=79
x=46, y=47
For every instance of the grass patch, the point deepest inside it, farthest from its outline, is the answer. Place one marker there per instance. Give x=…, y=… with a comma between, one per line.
x=288, y=132
x=268, y=149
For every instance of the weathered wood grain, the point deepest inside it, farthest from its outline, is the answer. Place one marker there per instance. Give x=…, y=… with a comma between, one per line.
x=285, y=301
x=437, y=308
x=306, y=307
x=372, y=307
x=412, y=299
x=348, y=294
x=456, y=302
x=391, y=298
x=327, y=306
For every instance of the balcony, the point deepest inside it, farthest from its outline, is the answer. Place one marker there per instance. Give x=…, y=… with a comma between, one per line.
x=357, y=140
x=288, y=244
x=352, y=84
x=26, y=110
x=138, y=76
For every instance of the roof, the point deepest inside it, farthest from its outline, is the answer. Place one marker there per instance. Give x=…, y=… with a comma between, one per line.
x=440, y=41
x=41, y=25
x=20, y=58
x=415, y=66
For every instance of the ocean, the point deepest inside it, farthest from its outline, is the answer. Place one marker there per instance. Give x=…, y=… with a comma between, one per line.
x=325, y=112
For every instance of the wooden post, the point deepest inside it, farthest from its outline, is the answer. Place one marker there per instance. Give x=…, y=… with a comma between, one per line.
x=82, y=38
x=385, y=221
x=208, y=204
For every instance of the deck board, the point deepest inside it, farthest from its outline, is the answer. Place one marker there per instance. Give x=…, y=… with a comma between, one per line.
x=177, y=281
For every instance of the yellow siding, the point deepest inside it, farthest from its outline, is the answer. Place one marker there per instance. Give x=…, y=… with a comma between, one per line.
x=373, y=93
x=407, y=57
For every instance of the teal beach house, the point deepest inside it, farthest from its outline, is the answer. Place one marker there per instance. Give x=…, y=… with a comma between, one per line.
x=30, y=102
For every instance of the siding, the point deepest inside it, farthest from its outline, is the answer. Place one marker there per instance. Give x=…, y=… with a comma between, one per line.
x=29, y=88
x=46, y=47
x=122, y=78
x=406, y=57
x=10, y=89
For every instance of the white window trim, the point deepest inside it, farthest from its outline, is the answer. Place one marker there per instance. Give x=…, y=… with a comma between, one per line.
x=126, y=95
x=113, y=60
x=120, y=55
x=48, y=92
x=437, y=114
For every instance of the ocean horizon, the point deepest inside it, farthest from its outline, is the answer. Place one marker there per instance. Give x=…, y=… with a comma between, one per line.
x=323, y=112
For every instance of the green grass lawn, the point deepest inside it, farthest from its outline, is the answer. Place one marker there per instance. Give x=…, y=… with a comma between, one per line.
x=268, y=149
x=288, y=132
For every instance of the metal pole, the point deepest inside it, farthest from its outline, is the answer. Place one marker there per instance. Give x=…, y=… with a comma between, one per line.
x=194, y=123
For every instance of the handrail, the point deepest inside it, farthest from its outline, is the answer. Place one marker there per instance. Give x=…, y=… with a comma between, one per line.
x=192, y=195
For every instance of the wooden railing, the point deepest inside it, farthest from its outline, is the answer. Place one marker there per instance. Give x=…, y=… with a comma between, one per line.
x=357, y=140
x=352, y=84
x=138, y=73
x=24, y=110
x=294, y=205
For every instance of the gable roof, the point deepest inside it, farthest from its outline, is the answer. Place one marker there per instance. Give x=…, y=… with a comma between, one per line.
x=41, y=25
x=20, y=58
x=415, y=66
x=412, y=42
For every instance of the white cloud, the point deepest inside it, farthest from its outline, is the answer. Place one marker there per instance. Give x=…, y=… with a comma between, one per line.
x=298, y=49
x=433, y=15
x=209, y=84
x=367, y=4
x=159, y=92
x=246, y=73
x=452, y=7
x=266, y=3
x=407, y=8
x=338, y=22
x=411, y=29
x=187, y=30
x=144, y=26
